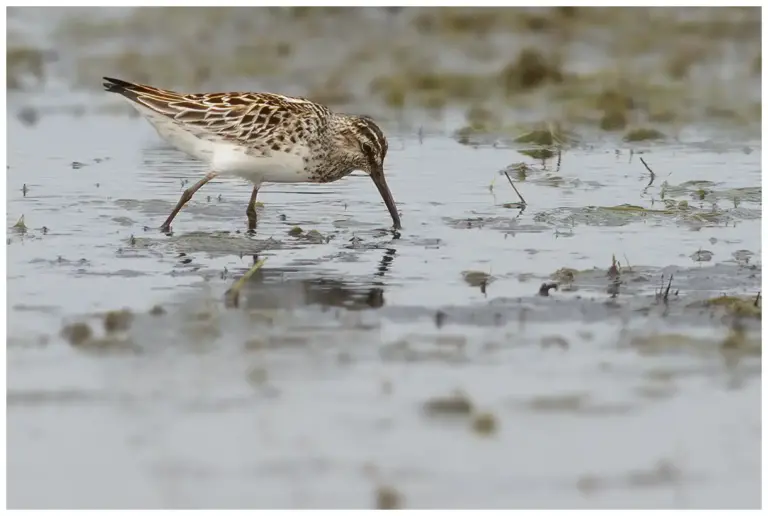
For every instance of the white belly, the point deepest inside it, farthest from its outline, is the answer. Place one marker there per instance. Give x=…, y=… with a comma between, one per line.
x=228, y=159
x=277, y=167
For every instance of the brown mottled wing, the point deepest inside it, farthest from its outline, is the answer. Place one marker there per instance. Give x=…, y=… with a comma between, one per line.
x=247, y=118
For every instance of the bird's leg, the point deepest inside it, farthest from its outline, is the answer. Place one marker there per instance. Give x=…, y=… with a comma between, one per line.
x=185, y=197
x=251, y=211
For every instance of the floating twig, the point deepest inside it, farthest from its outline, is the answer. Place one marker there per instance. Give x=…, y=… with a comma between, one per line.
x=522, y=201
x=661, y=294
x=669, y=285
x=232, y=296
x=653, y=175
x=629, y=267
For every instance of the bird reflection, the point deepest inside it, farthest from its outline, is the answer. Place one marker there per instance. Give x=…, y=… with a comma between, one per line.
x=386, y=262
x=271, y=289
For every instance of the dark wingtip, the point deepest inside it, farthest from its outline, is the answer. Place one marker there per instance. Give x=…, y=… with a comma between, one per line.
x=116, y=85
x=127, y=89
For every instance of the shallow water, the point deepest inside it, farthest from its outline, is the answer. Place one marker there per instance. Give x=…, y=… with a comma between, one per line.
x=289, y=402
x=363, y=362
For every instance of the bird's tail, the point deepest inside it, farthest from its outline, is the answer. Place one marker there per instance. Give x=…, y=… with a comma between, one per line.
x=165, y=102
x=133, y=91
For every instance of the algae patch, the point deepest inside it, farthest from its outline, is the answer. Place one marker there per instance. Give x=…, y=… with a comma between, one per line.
x=642, y=134
x=733, y=305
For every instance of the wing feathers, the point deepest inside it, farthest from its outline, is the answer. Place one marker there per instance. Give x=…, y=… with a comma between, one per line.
x=238, y=116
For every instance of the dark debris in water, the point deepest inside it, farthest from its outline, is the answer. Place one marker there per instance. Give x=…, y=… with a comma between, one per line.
x=77, y=333
x=312, y=236
x=388, y=498
x=485, y=423
x=456, y=404
x=546, y=287
x=477, y=278
x=702, y=255
x=118, y=320
x=157, y=311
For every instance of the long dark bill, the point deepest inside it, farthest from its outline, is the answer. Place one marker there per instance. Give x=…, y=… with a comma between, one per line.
x=378, y=178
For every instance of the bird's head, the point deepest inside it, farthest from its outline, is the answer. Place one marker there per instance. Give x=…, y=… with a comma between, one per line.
x=364, y=147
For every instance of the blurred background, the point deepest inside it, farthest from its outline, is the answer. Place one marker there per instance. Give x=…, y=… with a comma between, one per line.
x=471, y=70
x=363, y=369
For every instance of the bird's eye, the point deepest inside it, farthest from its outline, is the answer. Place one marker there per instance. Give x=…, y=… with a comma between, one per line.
x=367, y=149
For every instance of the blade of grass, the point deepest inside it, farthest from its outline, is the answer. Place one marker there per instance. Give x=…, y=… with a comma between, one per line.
x=232, y=296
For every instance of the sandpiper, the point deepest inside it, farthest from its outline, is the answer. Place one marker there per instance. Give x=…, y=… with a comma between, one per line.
x=262, y=137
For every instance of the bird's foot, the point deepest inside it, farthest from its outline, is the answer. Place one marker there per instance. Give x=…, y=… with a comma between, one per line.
x=251, y=224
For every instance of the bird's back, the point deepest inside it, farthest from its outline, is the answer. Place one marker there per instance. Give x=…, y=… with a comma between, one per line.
x=244, y=133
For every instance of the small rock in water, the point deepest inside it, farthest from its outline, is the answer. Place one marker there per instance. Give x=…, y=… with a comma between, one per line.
x=387, y=498
x=476, y=278
x=315, y=236
x=77, y=333
x=28, y=115
x=484, y=424
x=118, y=320
x=157, y=310
x=702, y=256
x=743, y=256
